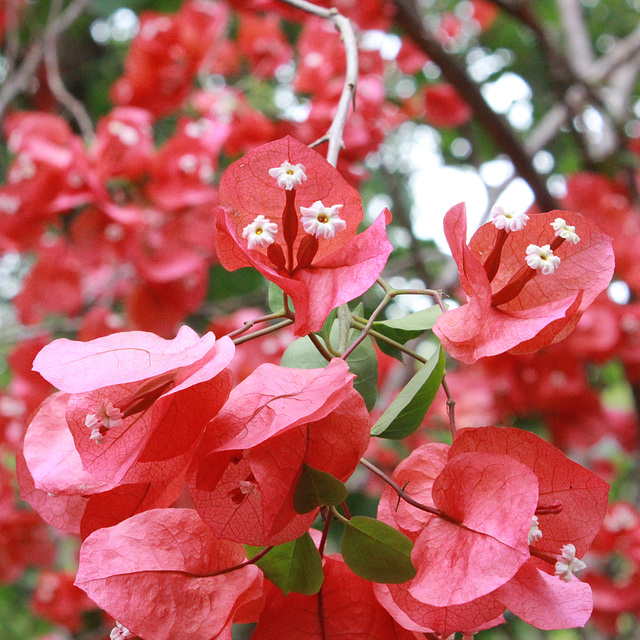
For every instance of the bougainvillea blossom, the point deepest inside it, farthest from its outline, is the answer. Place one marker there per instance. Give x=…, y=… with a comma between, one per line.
x=241, y=484
x=172, y=554
x=513, y=305
x=290, y=214
x=568, y=508
x=144, y=426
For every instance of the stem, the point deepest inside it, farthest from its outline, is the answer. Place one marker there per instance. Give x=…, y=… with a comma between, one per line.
x=317, y=343
x=326, y=514
x=451, y=403
x=356, y=324
x=263, y=332
x=250, y=323
x=347, y=97
x=403, y=494
x=367, y=328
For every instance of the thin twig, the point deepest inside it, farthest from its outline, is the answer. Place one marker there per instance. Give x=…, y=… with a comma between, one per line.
x=317, y=343
x=55, y=81
x=263, y=332
x=403, y=494
x=367, y=328
x=334, y=134
x=19, y=81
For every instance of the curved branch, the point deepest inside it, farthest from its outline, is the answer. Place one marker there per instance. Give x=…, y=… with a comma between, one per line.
x=347, y=97
x=409, y=18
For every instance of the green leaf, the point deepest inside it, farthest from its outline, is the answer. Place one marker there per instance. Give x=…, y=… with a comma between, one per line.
x=407, y=328
x=276, y=298
x=317, y=488
x=363, y=362
x=293, y=566
x=377, y=552
x=406, y=413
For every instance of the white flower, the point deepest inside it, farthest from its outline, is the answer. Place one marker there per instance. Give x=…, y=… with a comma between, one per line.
x=119, y=632
x=534, y=532
x=127, y=135
x=260, y=233
x=508, y=220
x=568, y=564
x=321, y=221
x=106, y=417
x=542, y=258
x=288, y=175
x=565, y=231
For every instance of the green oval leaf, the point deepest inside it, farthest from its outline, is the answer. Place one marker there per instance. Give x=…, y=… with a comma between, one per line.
x=293, y=566
x=317, y=489
x=406, y=413
x=376, y=551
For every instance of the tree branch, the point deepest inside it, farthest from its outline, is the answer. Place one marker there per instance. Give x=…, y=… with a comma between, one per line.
x=409, y=18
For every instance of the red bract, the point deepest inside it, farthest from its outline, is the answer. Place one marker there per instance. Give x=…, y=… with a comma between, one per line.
x=138, y=403
x=301, y=235
x=344, y=608
x=241, y=483
x=457, y=589
x=171, y=556
x=511, y=306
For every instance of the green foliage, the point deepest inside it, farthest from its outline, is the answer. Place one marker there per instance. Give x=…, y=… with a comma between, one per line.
x=317, y=488
x=294, y=566
x=406, y=413
x=377, y=552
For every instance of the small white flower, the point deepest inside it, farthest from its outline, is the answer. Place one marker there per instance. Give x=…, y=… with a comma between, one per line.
x=321, y=221
x=260, y=233
x=563, y=230
x=534, y=532
x=542, y=258
x=508, y=220
x=106, y=417
x=288, y=175
x=188, y=163
x=119, y=632
x=568, y=564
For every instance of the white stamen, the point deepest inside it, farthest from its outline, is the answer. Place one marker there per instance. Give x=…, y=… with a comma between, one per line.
x=568, y=564
x=119, y=632
x=106, y=417
x=288, y=175
x=247, y=487
x=321, y=221
x=542, y=258
x=508, y=220
x=563, y=230
x=260, y=233
x=534, y=532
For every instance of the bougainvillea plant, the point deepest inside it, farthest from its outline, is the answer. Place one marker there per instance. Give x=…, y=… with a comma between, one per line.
x=296, y=468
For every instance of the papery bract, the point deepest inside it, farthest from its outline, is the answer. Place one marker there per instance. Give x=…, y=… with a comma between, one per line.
x=168, y=391
x=544, y=310
x=318, y=275
x=173, y=555
x=345, y=607
x=241, y=483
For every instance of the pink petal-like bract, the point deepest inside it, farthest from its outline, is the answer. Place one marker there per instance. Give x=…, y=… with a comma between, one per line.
x=161, y=574
x=545, y=310
x=582, y=494
x=338, y=270
x=243, y=487
x=492, y=498
x=76, y=367
x=545, y=601
x=344, y=608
